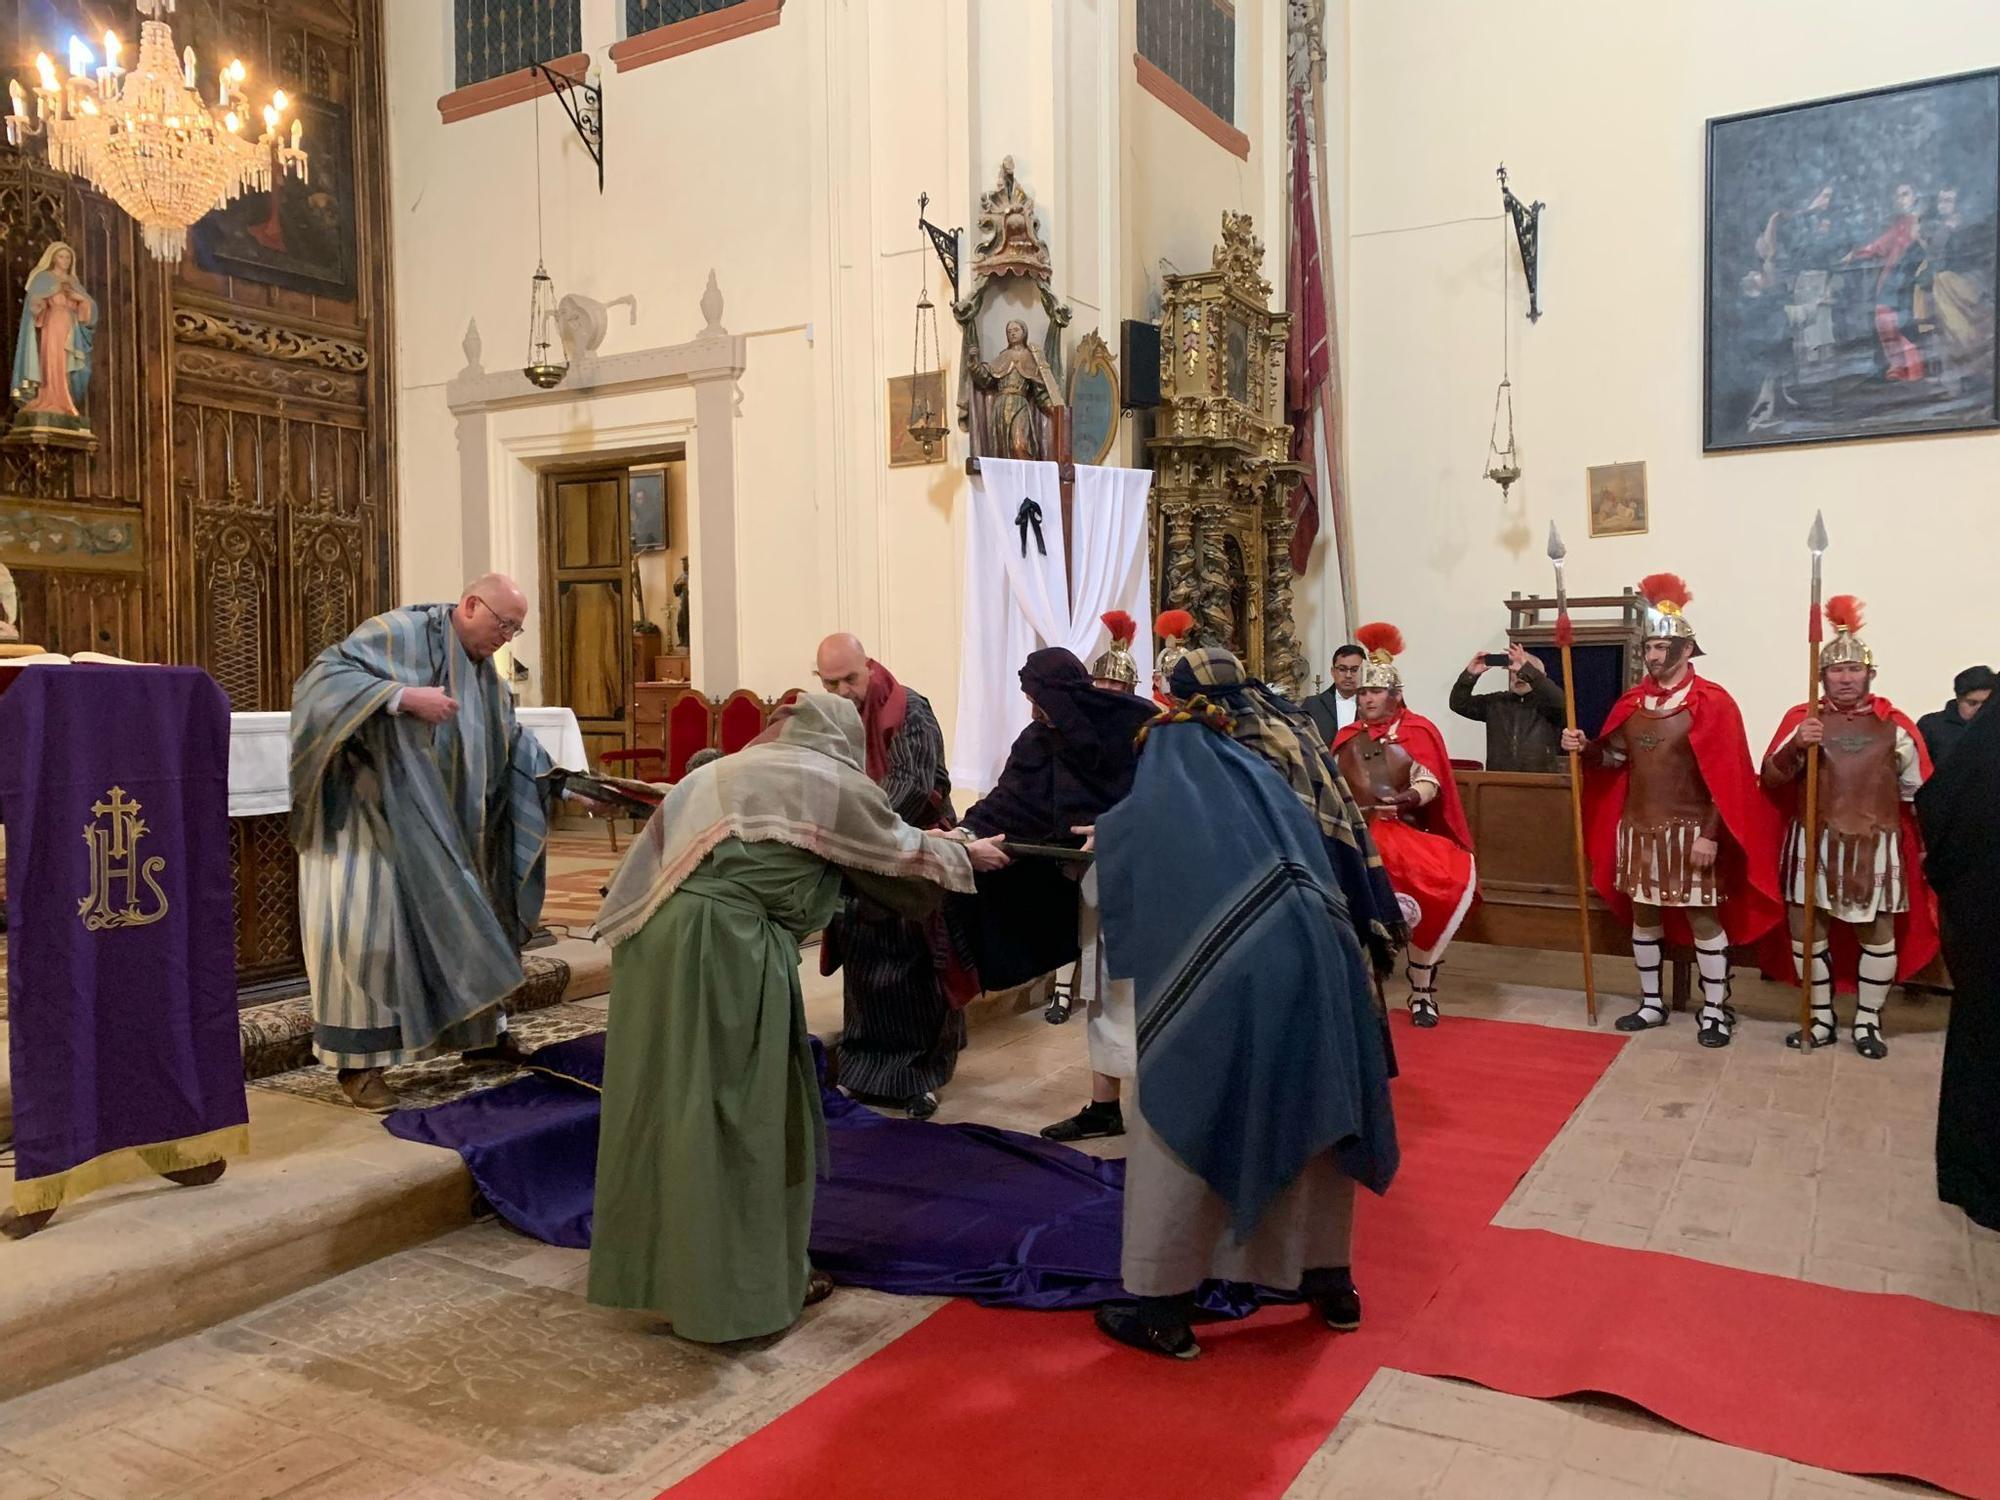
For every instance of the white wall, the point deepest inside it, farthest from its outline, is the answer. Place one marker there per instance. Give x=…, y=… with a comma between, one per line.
x=789, y=162
x=1599, y=109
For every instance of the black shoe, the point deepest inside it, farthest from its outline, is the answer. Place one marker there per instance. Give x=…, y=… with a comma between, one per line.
x=1058, y=1010
x=1638, y=1021
x=505, y=1053
x=1152, y=1324
x=922, y=1107
x=1423, y=1012
x=1711, y=1032
x=1094, y=1121
x=1334, y=1298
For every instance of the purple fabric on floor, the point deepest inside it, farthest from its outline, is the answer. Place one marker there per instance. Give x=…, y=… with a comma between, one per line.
x=911, y=1207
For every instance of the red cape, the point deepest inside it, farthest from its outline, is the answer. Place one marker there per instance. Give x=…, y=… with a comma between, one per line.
x=1916, y=929
x=1748, y=864
x=1444, y=814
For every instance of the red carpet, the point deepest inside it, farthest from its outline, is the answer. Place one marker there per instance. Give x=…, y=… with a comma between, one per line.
x=1854, y=1381
x=976, y=1402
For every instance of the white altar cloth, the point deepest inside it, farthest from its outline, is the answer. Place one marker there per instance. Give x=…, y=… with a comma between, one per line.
x=260, y=755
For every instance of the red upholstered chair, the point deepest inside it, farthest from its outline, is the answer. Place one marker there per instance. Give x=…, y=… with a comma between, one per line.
x=1467, y=765
x=690, y=727
x=739, y=721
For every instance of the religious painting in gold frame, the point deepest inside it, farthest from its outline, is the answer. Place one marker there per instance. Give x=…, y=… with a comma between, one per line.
x=1616, y=494
x=904, y=450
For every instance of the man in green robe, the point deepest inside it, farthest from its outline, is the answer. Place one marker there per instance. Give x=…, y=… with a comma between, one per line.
x=712, y=1133
x=420, y=817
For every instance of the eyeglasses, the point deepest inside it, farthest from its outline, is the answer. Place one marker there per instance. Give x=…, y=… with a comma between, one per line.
x=511, y=626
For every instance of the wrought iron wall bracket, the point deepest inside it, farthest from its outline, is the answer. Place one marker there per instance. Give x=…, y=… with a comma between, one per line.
x=584, y=104
x=1527, y=219
x=944, y=241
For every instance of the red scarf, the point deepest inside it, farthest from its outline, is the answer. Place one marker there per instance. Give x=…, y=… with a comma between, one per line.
x=882, y=712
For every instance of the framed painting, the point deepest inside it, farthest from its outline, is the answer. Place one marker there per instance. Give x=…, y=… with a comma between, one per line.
x=905, y=450
x=1850, y=267
x=1617, y=495
x=648, y=491
x=1094, y=401
x=300, y=235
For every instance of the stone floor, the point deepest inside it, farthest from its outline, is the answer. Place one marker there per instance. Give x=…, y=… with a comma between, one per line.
x=472, y=1366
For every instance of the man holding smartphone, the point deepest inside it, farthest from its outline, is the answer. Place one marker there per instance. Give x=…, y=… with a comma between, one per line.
x=1524, y=722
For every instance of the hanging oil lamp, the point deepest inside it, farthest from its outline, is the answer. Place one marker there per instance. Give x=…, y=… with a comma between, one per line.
x=926, y=427
x=542, y=369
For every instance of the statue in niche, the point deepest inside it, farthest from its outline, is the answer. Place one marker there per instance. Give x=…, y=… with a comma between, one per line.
x=10, y=607
x=1020, y=393
x=52, y=354
x=681, y=641
x=1008, y=244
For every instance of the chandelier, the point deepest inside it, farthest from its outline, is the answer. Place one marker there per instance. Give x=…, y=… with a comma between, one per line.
x=146, y=140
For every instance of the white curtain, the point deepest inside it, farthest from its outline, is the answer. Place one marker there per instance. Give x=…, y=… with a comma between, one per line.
x=1017, y=599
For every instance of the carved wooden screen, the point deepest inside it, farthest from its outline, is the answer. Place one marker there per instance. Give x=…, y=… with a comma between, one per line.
x=237, y=510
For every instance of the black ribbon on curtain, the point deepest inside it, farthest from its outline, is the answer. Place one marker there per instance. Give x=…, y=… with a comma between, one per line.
x=1030, y=516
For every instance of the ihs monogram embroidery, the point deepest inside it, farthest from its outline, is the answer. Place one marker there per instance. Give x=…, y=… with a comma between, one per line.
x=116, y=869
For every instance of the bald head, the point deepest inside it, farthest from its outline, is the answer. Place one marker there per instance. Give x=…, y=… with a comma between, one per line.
x=842, y=666
x=490, y=613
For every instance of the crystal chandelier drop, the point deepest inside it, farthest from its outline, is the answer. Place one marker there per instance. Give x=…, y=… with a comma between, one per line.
x=146, y=140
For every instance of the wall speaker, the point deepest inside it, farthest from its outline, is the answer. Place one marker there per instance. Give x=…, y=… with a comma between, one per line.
x=1139, y=354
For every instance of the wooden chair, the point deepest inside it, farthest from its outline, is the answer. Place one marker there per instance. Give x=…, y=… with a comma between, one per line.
x=629, y=764
x=740, y=720
x=690, y=727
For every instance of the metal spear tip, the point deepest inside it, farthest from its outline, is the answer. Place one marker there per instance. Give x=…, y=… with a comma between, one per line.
x=1816, y=538
x=1557, y=551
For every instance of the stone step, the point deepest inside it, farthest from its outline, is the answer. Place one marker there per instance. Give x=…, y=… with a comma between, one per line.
x=323, y=1189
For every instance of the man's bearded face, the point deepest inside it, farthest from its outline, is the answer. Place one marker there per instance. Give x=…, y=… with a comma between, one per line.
x=1847, y=683
x=1664, y=659
x=1378, y=704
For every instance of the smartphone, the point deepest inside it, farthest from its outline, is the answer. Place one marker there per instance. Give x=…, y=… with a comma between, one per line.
x=1496, y=658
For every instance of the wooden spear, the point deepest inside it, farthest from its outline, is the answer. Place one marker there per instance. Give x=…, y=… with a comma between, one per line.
x=1565, y=638
x=1809, y=824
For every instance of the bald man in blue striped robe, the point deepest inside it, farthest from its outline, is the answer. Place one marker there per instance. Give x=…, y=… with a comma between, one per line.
x=419, y=814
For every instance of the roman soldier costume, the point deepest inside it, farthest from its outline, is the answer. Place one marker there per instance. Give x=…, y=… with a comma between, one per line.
x=1670, y=779
x=1870, y=866
x=1115, y=667
x=1400, y=774
x=1173, y=627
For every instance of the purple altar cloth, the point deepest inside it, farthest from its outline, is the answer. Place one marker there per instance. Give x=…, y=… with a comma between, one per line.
x=121, y=954
x=912, y=1207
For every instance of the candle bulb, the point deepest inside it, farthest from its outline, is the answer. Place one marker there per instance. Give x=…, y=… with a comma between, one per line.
x=112, y=48
x=20, y=98
x=187, y=67
x=270, y=118
x=298, y=131
x=281, y=101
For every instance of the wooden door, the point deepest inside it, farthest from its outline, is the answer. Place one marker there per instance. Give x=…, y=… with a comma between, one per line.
x=587, y=607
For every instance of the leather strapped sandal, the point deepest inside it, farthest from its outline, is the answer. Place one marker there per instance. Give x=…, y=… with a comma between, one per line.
x=1714, y=1031
x=1423, y=1009
x=1867, y=1034
x=1649, y=1015
x=1824, y=1031
x=819, y=1287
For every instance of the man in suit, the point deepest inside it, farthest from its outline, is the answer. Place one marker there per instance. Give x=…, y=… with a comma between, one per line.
x=1334, y=709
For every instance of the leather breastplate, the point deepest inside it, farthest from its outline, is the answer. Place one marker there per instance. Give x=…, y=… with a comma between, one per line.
x=1857, y=773
x=1376, y=770
x=1666, y=784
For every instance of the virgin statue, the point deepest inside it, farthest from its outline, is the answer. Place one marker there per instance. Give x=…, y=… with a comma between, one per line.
x=52, y=353
x=1022, y=387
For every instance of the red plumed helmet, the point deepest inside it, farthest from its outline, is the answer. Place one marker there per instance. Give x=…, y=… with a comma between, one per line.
x=1843, y=612
x=1380, y=637
x=1666, y=588
x=1173, y=624
x=1121, y=625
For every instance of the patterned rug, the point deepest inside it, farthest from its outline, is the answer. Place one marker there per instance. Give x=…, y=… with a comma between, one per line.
x=277, y=1038
x=443, y=1079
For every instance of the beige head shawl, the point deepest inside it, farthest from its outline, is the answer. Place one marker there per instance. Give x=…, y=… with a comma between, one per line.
x=805, y=787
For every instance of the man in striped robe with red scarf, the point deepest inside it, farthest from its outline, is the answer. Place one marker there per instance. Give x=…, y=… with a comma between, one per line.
x=901, y=1030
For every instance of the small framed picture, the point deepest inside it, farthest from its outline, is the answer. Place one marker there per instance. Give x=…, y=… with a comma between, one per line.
x=1617, y=498
x=649, y=510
